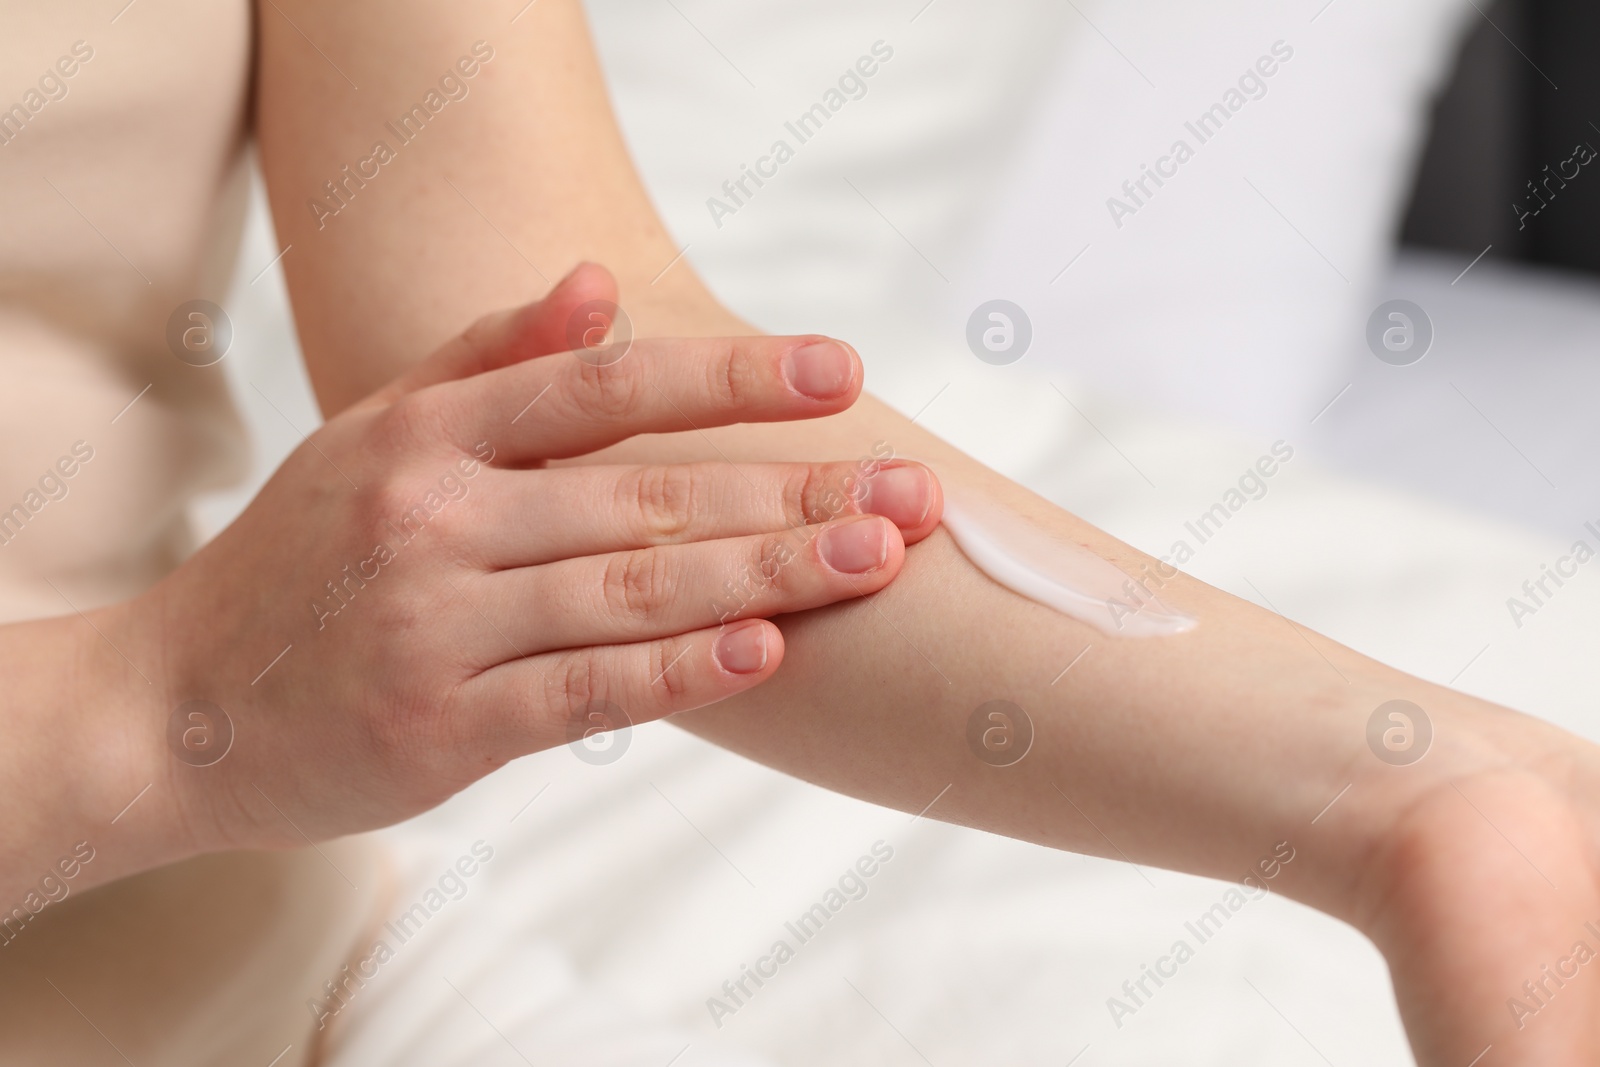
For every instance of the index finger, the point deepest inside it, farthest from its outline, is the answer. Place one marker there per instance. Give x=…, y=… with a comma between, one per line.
x=563, y=405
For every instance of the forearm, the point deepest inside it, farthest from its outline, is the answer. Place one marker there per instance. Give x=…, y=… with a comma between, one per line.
x=82, y=743
x=1199, y=751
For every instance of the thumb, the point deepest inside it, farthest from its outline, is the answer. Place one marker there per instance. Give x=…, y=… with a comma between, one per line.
x=502, y=338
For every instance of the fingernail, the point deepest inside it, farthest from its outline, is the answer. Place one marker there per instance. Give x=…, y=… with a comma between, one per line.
x=902, y=495
x=742, y=651
x=855, y=547
x=820, y=370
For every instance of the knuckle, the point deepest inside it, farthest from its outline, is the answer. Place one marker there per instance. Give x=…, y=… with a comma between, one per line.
x=770, y=566
x=413, y=421
x=399, y=506
x=800, y=487
x=410, y=729
x=836, y=492
x=663, y=498
x=399, y=501
x=576, y=684
x=822, y=494
x=733, y=377
x=763, y=579
x=388, y=499
x=605, y=394
x=669, y=667
x=636, y=585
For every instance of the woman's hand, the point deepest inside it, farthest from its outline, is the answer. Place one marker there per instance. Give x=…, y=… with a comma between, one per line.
x=413, y=599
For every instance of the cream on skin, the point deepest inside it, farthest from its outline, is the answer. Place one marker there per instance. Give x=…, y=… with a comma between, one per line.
x=1067, y=577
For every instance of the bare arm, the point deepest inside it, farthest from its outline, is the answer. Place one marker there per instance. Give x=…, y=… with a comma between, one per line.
x=1199, y=752
x=408, y=258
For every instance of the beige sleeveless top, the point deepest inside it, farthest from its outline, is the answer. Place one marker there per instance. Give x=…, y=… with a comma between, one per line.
x=122, y=181
x=122, y=147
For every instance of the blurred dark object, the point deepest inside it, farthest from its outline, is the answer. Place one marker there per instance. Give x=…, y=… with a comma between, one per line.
x=1525, y=94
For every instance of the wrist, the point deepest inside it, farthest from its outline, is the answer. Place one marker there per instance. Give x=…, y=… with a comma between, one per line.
x=121, y=795
x=1402, y=827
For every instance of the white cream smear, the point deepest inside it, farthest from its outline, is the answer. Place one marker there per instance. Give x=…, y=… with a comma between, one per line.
x=1069, y=578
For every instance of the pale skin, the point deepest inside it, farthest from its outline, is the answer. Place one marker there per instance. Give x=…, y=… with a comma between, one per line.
x=410, y=595
x=1197, y=752
x=459, y=579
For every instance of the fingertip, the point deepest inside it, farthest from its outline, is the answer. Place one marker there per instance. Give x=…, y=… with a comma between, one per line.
x=897, y=548
x=587, y=281
x=748, y=651
x=823, y=369
x=895, y=556
x=935, y=515
x=908, y=494
x=542, y=327
x=858, y=546
x=858, y=370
